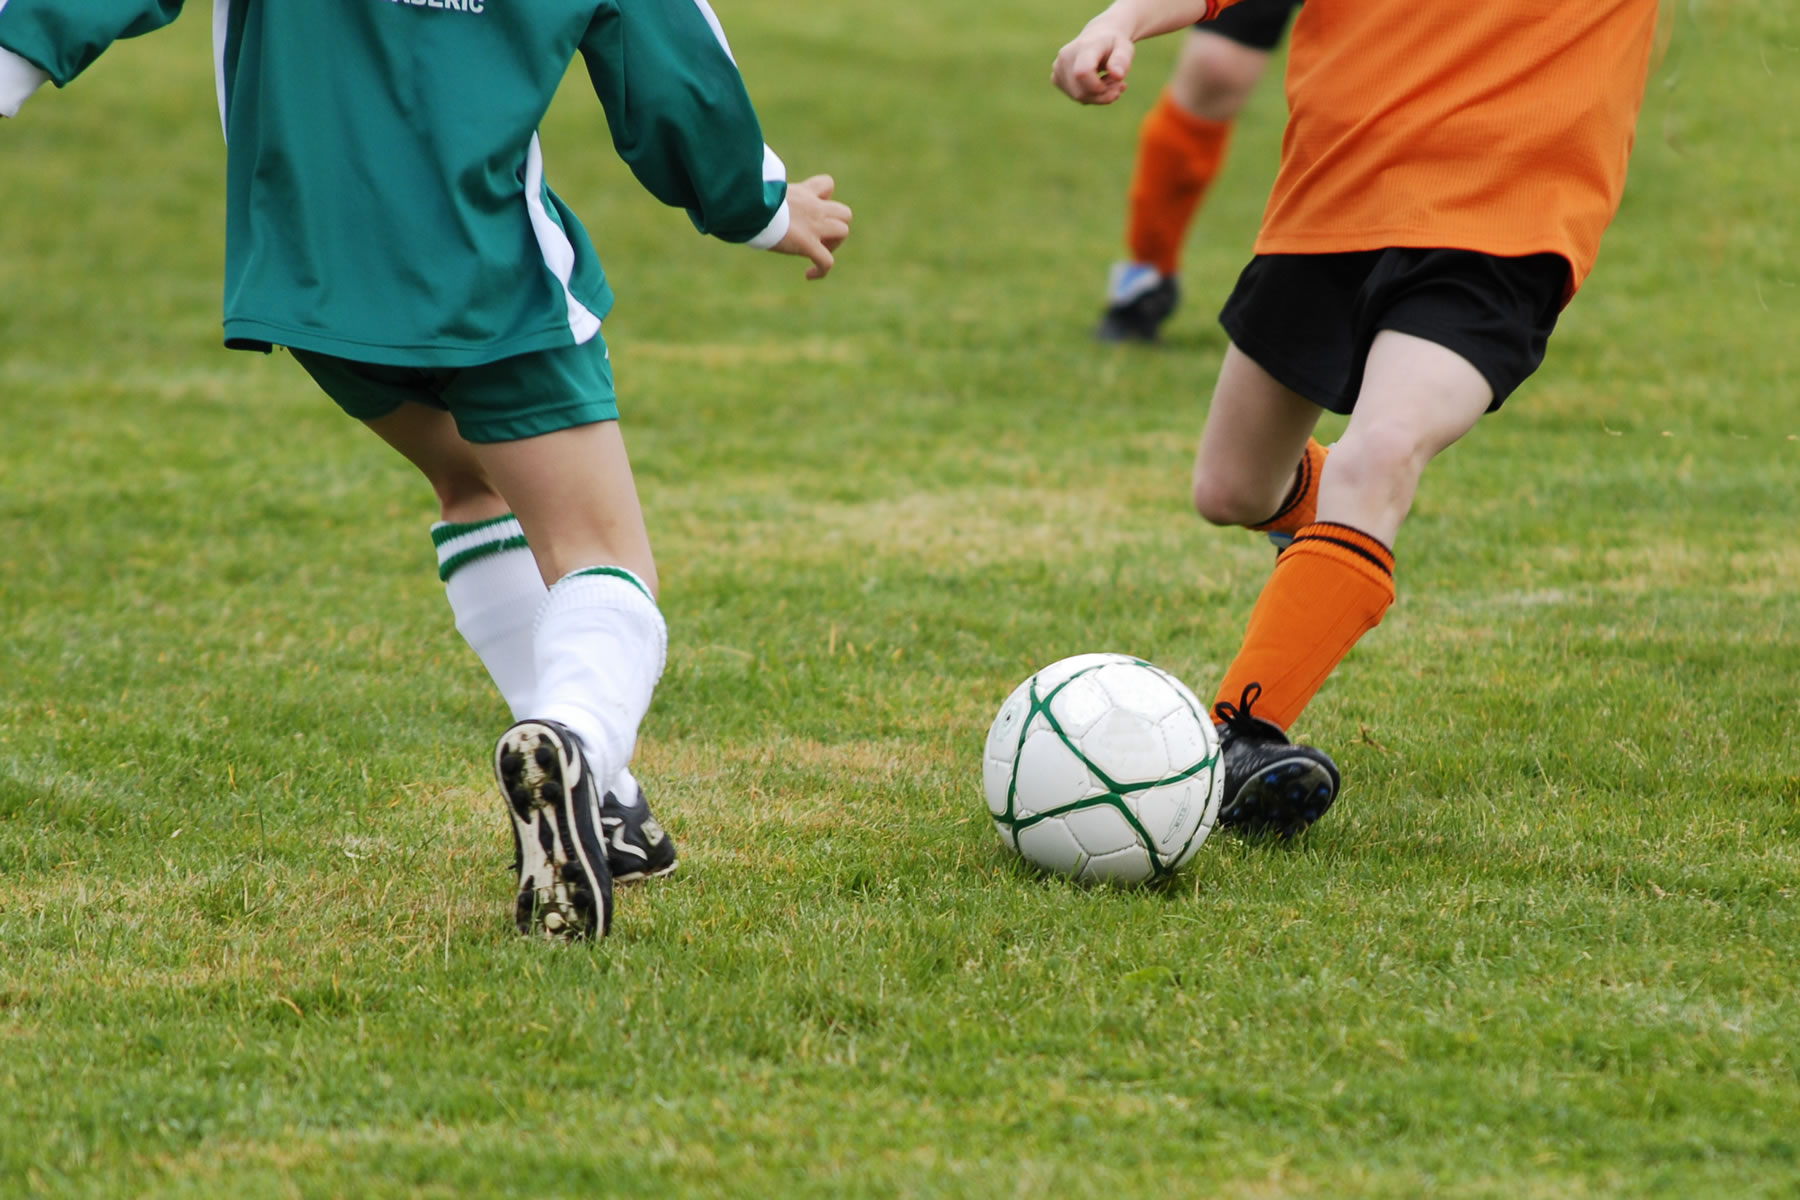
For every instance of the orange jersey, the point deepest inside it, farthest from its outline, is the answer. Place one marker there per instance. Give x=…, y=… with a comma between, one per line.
x=1501, y=127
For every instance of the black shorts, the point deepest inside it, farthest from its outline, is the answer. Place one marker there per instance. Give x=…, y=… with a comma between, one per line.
x=1257, y=24
x=1309, y=319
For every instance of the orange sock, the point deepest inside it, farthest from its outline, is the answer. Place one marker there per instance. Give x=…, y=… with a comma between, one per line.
x=1302, y=504
x=1329, y=588
x=1178, y=156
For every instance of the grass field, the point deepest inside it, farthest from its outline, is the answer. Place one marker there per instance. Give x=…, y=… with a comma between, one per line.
x=254, y=897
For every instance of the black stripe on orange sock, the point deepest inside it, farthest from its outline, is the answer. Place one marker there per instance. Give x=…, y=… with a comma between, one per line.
x=1302, y=484
x=1351, y=539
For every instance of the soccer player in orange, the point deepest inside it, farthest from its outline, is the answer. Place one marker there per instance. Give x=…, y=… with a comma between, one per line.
x=1446, y=176
x=1181, y=150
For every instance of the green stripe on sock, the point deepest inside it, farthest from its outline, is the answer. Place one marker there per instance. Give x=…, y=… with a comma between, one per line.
x=617, y=573
x=463, y=558
x=443, y=531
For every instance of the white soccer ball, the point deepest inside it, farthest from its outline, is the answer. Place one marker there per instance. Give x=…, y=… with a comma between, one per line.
x=1104, y=768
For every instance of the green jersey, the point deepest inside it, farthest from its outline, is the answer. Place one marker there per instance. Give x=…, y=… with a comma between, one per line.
x=385, y=196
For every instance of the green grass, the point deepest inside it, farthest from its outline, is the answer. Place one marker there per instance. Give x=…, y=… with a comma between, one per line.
x=253, y=886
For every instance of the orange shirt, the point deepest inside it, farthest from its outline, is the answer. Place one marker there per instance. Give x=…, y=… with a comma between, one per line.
x=1502, y=126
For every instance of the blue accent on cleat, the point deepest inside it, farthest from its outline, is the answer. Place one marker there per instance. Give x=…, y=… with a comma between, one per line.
x=1139, y=298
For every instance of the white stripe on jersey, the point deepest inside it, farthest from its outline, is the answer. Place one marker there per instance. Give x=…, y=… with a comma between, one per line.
x=712, y=18
x=221, y=32
x=773, y=168
x=558, y=252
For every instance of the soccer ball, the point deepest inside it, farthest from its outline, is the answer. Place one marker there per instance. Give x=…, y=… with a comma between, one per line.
x=1104, y=768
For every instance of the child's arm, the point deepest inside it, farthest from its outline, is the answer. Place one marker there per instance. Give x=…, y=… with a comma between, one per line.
x=44, y=40
x=681, y=119
x=1092, y=68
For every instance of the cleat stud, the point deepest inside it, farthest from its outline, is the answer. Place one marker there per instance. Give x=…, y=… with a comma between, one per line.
x=546, y=757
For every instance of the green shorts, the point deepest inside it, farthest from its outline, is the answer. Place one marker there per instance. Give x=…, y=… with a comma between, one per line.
x=501, y=401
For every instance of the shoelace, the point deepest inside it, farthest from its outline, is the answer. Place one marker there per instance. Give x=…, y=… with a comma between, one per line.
x=1235, y=716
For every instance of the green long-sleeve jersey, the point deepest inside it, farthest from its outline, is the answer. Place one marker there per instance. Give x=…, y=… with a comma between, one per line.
x=385, y=184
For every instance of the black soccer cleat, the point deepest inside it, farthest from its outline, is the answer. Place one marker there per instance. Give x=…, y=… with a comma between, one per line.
x=1139, y=300
x=1272, y=786
x=565, y=884
x=637, y=846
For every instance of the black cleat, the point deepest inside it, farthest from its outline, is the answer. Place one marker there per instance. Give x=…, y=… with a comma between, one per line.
x=1139, y=300
x=565, y=885
x=1272, y=786
x=637, y=847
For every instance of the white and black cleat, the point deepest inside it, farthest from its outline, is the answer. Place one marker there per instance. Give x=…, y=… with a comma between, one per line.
x=565, y=884
x=1272, y=786
x=637, y=846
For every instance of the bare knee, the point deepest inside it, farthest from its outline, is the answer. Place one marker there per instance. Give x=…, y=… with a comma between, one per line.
x=1378, y=453
x=1215, y=76
x=1221, y=500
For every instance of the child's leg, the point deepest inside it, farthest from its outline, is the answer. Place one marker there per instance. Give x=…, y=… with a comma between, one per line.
x=490, y=577
x=1255, y=432
x=1182, y=144
x=600, y=641
x=1336, y=581
x=599, y=649
x=1181, y=149
x=428, y=439
x=1417, y=399
x=489, y=573
x=541, y=430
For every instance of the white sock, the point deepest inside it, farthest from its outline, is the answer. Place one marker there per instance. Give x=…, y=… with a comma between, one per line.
x=601, y=644
x=625, y=789
x=495, y=593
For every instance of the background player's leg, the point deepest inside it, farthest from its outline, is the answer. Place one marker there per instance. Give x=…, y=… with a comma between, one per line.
x=600, y=642
x=490, y=577
x=1215, y=75
x=1256, y=430
x=1336, y=581
x=1182, y=143
x=1181, y=149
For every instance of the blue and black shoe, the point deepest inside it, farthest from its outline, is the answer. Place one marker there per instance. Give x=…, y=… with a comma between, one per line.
x=1139, y=298
x=1272, y=786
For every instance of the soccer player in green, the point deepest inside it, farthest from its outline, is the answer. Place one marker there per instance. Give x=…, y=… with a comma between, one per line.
x=388, y=222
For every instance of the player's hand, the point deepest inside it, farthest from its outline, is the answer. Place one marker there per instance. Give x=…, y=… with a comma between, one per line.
x=817, y=224
x=1092, y=68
